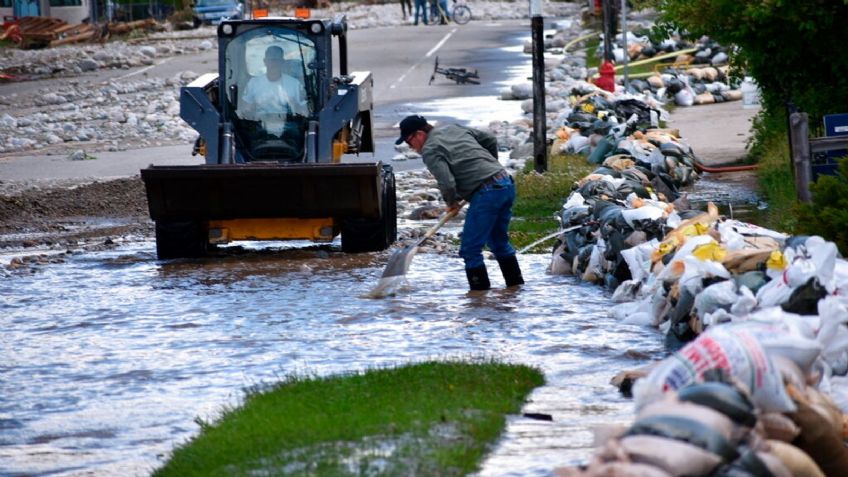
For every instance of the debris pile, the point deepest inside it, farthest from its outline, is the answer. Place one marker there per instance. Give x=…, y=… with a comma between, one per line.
x=40, y=32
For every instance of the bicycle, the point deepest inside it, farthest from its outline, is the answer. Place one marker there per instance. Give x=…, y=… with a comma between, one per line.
x=461, y=14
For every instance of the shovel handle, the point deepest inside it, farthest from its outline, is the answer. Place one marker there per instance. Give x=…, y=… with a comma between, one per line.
x=444, y=218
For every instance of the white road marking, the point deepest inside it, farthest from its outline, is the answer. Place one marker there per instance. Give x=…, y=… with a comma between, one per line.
x=427, y=55
x=146, y=68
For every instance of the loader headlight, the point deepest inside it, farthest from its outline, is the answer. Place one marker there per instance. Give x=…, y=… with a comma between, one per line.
x=227, y=29
x=316, y=27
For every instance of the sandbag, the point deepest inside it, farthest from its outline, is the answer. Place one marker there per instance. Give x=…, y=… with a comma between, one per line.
x=723, y=398
x=738, y=355
x=675, y=457
x=818, y=440
x=779, y=427
x=798, y=462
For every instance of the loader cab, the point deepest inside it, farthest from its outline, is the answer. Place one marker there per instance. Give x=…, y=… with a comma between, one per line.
x=271, y=83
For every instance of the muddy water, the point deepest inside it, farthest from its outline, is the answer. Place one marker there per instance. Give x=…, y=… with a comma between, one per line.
x=733, y=192
x=109, y=357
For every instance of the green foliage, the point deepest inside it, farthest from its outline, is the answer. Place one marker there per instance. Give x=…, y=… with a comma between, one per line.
x=827, y=216
x=790, y=47
x=432, y=418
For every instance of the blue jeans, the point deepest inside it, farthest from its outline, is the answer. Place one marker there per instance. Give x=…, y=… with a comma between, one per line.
x=420, y=6
x=487, y=223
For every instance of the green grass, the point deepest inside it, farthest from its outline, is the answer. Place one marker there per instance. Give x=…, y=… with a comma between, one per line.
x=774, y=176
x=540, y=196
x=432, y=418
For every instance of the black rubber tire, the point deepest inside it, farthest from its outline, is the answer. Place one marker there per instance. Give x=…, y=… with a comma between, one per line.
x=180, y=239
x=372, y=235
x=461, y=14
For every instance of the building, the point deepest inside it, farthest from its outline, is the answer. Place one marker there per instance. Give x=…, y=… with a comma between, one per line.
x=71, y=11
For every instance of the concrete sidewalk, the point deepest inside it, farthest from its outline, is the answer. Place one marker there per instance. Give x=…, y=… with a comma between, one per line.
x=717, y=132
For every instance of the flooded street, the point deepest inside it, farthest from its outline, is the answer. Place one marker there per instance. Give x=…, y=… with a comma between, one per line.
x=110, y=356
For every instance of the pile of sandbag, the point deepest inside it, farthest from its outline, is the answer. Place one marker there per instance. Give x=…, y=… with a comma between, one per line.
x=624, y=203
x=741, y=400
x=698, y=74
x=703, y=51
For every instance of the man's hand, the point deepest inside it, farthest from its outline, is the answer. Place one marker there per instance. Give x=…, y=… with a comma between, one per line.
x=453, y=208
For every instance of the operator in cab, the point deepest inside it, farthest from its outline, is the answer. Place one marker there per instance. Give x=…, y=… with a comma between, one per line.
x=270, y=97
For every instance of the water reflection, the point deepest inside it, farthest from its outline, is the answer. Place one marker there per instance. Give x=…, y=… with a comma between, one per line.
x=109, y=357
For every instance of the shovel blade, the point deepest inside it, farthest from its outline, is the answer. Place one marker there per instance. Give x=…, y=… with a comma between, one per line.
x=399, y=263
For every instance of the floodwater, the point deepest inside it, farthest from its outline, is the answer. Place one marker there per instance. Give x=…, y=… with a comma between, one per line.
x=110, y=357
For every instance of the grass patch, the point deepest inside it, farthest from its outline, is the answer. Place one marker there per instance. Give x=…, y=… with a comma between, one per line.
x=540, y=196
x=432, y=418
x=774, y=176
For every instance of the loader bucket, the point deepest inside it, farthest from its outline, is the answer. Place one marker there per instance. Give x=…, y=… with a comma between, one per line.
x=238, y=191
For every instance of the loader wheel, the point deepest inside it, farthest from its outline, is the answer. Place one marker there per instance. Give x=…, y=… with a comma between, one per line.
x=180, y=239
x=373, y=235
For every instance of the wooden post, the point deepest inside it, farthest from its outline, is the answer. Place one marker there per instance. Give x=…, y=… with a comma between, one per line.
x=540, y=144
x=799, y=133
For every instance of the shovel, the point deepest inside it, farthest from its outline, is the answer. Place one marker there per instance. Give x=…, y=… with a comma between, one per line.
x=399, y=262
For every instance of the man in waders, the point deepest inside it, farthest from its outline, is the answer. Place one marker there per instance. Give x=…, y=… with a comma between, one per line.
x=465, y=164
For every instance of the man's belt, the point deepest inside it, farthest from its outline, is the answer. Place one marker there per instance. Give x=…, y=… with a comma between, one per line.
x=503, y=174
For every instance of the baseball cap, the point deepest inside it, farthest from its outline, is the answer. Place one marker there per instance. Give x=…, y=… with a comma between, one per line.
x=409, y=125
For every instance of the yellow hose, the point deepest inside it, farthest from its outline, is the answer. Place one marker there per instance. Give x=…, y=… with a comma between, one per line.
x=652, y=59
x=578, y=40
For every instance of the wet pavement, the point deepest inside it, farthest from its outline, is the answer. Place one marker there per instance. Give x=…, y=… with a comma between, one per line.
x=110, y=356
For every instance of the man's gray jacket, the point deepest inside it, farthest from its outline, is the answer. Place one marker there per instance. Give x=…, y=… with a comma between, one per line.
x=461, y=159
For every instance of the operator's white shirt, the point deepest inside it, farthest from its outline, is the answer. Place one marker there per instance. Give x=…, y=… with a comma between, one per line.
x=275, y=97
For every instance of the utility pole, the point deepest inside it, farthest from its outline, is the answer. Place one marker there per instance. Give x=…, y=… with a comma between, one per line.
x=540, y=140
x=609, y=29
x=624, y=42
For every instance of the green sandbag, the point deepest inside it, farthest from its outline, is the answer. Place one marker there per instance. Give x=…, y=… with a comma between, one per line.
x=601, y=151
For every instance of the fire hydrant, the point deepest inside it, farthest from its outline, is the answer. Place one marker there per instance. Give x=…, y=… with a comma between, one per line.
x=607, y=79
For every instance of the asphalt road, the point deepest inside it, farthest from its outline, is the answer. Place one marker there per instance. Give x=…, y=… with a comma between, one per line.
x=401, y=60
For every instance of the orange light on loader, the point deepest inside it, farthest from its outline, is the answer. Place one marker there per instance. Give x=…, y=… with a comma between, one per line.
x=302, y=12
x=260, y=13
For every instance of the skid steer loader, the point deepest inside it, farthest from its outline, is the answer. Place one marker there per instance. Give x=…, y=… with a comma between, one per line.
x=274, y=123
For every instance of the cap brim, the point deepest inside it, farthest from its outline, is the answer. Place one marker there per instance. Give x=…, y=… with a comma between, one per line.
x=399, y=141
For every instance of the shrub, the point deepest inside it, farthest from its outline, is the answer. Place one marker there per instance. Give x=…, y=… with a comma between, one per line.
x=827, y=215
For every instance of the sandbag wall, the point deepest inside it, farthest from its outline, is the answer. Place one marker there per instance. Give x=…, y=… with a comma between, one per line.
x=756, y=316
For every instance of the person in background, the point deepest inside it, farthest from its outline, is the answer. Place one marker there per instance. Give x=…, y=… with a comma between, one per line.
x=406, y=8
x=420, y=6
x=464, y=162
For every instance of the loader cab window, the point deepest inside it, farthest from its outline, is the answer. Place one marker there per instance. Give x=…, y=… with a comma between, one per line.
x=273, y=70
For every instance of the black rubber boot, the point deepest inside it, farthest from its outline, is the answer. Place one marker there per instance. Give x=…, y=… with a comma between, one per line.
x=478, y=278
x=511, y=271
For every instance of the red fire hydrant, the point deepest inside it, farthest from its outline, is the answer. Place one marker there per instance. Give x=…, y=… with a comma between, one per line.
x=607, y=79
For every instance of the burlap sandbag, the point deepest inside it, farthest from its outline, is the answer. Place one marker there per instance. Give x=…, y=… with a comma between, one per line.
x=794, y=459
x=818, y=438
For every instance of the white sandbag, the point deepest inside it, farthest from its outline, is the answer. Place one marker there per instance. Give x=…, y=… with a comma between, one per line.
x=638, y=259
x=730, y=238
x=575, y=199
x=627, y=291
x=717, y=317
x=840, y=278
x=577, y=143
x=647, y=212
x=675, y=457
x=559, y=265
x=745, y=302
x=832, y=334
x=718, y=295
x=780, y=338
x=738, y=354
x=697, y=270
